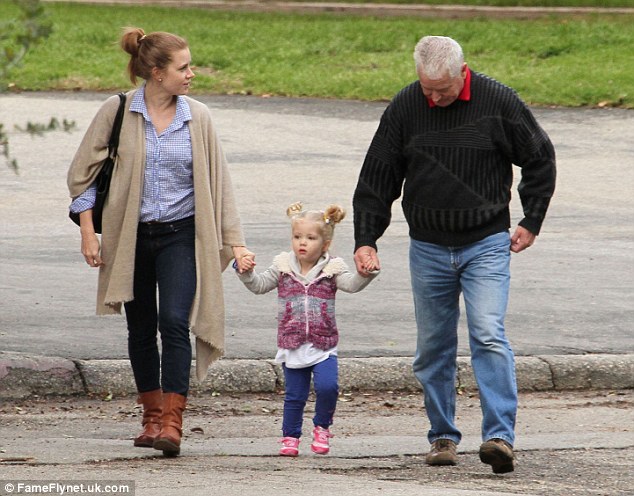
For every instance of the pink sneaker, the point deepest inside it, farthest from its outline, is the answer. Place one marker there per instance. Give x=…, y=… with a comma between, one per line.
x=290, y=446
x=321, y=440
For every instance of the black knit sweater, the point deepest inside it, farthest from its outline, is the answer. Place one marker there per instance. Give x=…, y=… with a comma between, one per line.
x=454, y=165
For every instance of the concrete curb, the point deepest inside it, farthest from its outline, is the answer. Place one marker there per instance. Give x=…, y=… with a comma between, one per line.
x=23, y=376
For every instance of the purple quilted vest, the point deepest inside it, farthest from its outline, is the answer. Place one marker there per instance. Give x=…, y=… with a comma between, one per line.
x=306, y=313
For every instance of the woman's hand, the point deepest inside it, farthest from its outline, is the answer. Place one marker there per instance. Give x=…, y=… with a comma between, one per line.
x=245, y=259
x=90, y=246
x=90, y=249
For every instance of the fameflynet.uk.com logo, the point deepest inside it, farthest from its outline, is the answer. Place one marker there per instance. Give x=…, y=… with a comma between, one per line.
x=60, y=488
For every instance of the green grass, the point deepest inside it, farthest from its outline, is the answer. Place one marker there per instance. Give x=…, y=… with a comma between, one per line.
x=552, y=61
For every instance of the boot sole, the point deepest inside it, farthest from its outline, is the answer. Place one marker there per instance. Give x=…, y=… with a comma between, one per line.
x=441, y=462
x=144, y=444
x=167, y=447
x=500, y=462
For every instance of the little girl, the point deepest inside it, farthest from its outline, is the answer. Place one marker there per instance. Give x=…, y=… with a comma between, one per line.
x=307, y=279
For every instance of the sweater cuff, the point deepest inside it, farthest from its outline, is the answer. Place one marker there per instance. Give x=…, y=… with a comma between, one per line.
x=532, y=224
x=364, y=242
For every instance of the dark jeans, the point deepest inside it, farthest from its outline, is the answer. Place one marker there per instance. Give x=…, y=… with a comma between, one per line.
x=165, y=258
x=325, y=381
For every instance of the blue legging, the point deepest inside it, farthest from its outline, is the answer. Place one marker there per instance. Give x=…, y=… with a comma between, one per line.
x=325, y=381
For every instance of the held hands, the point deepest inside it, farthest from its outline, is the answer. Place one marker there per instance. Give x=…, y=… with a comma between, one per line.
x=245, y=259
x=366, y=260
x=521, y=239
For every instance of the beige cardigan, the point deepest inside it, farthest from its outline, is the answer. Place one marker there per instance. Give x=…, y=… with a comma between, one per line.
x=217, y=222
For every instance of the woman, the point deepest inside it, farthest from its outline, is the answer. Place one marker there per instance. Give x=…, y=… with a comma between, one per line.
x=170, y=222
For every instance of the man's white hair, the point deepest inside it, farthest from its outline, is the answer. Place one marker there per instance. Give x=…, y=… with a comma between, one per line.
x=437, y=55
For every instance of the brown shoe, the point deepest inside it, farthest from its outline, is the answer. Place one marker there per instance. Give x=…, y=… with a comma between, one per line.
x=442, y=452
x=152, y=402
x=169, y=439
x=499, y=454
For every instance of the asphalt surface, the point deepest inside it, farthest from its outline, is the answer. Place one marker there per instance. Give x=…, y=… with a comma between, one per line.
x=572, y=291
x=568, y=444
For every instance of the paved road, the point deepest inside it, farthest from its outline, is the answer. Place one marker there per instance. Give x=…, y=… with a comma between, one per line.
x=572, y=292
x=578, y=444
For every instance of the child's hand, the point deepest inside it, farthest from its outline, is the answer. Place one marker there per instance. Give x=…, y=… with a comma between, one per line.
x=370, y=265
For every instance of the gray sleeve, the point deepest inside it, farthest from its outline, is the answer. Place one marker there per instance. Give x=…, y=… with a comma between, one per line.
x=350, y=282
x=260, y=283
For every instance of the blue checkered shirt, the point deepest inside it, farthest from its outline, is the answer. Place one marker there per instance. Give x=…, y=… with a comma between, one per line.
x=168, y=187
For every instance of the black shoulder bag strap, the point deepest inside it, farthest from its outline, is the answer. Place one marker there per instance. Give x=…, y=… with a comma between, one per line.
x=103, y=183
x=104, y=176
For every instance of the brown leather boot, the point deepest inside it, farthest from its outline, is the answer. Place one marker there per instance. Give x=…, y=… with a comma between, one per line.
x=169, y=439
x=152, y=402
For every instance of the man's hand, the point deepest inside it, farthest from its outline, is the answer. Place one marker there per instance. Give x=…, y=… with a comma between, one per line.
x=366, y=260
x=521, y=239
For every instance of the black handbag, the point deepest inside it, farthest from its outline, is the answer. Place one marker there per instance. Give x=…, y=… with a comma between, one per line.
x=105, y=174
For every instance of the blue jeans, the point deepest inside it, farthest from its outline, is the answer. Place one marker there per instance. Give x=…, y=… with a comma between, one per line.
x=325, y=381
x=165, y=259
x=481, y=272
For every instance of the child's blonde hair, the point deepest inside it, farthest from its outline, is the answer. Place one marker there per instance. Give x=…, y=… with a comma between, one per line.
x=326, y=219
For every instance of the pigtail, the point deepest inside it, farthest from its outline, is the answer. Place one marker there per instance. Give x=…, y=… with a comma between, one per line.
x=334, y=214
x=294, y=209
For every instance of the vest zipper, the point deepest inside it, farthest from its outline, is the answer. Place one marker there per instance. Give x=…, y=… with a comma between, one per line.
x=306, y=286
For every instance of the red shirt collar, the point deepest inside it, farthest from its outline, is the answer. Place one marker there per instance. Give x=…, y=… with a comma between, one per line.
x=465, y=94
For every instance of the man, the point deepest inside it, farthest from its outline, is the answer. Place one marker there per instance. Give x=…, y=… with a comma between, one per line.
x=449, y=141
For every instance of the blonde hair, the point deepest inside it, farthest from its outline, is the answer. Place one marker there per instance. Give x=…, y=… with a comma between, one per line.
x=325, y=219
x=148, y=51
